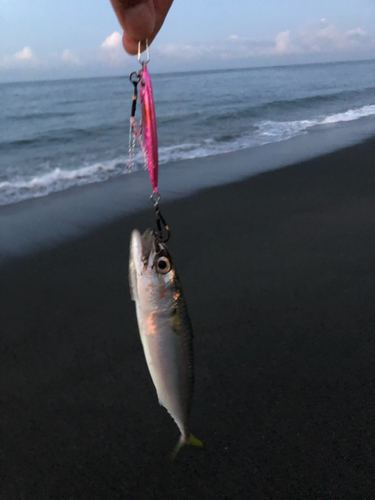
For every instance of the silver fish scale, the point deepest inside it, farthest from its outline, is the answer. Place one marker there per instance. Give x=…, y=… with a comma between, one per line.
x=187, y=336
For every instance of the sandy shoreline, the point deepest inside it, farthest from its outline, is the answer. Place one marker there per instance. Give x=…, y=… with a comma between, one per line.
x=46, y=222
x=278, y=271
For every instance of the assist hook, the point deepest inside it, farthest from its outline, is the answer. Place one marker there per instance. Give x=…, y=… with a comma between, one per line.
x=162, y=231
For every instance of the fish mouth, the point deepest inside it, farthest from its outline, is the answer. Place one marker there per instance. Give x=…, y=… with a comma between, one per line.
x=148, y=243
x=142, y=247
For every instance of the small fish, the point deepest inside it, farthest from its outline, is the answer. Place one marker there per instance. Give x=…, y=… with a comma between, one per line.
x=164, y=327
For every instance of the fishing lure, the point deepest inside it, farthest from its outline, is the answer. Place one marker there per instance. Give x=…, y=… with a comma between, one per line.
x=147, y=136
x=147, y=133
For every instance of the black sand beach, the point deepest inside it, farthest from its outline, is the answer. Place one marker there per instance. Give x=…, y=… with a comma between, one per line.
x=279, y=274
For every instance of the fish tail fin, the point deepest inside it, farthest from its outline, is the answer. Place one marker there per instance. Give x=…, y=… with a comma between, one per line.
x=190, y=440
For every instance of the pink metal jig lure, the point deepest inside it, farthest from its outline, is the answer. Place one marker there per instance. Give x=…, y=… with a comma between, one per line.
x=150, y=136
x=147, y=133
x=147, y=136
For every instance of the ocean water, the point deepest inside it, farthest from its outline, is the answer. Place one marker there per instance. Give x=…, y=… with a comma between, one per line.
x=59, y=134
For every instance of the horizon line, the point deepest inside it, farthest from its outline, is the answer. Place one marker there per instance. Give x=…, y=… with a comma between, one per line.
x=219, y=70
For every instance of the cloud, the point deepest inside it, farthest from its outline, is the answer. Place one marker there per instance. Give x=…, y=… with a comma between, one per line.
x=322, y=37
x=26, y=54
x=232, y=48
x=314, y=42
x=70, y=58
x=23, y=59
x=325, y=37
x=112, y=42
x=111, y=51
x=283, y=44
x=109, y=56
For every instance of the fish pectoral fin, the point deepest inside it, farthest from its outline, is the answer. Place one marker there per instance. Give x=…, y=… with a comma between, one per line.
x=190, y=440
x=175, y=321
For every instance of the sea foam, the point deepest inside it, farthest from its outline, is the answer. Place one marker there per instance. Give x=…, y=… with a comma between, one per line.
x=264, y=132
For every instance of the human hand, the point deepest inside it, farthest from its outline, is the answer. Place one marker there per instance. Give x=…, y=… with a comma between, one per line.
x=140, y=20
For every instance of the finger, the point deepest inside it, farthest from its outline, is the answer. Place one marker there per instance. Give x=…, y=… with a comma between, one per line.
x=137, y=17
x=131, y=44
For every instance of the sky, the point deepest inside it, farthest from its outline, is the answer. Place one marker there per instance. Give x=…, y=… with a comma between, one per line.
x=44, y=39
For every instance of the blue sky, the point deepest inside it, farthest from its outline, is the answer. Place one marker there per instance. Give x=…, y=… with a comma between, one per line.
x=75, y=38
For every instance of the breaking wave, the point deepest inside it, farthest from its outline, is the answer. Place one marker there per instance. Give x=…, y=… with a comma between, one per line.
x=261, y=133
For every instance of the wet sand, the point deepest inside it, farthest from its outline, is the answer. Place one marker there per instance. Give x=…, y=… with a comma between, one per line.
x=279, y=275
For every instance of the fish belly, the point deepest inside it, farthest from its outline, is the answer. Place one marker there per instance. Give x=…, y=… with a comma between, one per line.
x=167, y=357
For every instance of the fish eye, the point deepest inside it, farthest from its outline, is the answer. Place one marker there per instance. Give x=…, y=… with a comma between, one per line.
x=143, y=82
x=163, y=265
